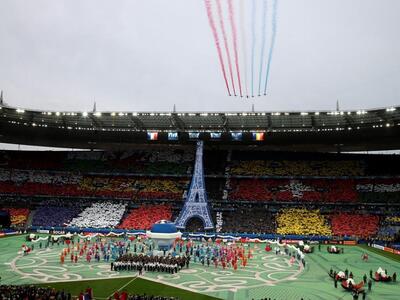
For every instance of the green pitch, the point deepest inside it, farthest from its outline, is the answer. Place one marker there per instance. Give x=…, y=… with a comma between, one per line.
x=266, y=275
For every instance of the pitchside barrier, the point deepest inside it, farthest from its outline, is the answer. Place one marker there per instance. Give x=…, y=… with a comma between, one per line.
x=8, y=232
x=288, y=239
x=387, y=249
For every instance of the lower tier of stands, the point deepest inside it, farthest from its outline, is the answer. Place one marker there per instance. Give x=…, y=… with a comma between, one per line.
x=48, y=293
x=18, y=216
x=55, y=216
x=145, y=216
x=243, y=218
x=346, y=224
x=248, y=220
x=302, y=221
x=99, y=215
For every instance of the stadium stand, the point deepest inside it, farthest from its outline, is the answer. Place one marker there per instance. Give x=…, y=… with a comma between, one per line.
x=46, y=293
x=145, y=216
x=262, y=163
x=302, y=222
x=18, y=216
x=321, y=190
x=54, y=216
x=248, y=219
x=239, y=184
x=99, y=215
x=346, y=224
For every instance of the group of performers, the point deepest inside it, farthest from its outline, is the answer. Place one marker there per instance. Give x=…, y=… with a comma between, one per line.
x=335, y=250
x=346, y=279
x=120, y=251
x=140, y=262
x=221, y=254
x=382, y=275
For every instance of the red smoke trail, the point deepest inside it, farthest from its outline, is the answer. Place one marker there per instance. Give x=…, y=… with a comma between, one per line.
x=221, y=22
x=234, y=34
x=216, y=39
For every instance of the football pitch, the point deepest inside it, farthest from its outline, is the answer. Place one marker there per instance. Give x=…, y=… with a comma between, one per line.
x=266, y=275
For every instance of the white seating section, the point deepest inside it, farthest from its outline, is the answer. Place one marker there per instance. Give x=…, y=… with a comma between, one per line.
x=100, y=215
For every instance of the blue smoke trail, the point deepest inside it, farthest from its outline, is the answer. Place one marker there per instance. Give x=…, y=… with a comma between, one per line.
x=271, y=49
x=253, y=43
x=263, y=35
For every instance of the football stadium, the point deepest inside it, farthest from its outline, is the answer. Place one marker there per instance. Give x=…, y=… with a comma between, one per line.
x=202, y=203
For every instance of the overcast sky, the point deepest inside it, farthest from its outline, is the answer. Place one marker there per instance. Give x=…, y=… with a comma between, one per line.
x=150, y=54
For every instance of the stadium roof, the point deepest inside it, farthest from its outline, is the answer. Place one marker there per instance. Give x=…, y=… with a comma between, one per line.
x=367, y=129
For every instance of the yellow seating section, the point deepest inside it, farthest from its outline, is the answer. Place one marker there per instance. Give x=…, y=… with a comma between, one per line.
x=302, y=221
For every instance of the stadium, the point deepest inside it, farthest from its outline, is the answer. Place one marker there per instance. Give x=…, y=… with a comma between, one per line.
x=199, y=204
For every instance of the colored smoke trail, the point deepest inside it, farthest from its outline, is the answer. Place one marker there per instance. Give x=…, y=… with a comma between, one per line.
x=221, y=22
x=263, y=37
x=253, y=43
x=216, y=40
x=242, y=13
x=234, y=36
x=271, y=50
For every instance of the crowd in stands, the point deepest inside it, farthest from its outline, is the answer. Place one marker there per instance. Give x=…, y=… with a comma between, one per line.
x=100, y=215
x=387, y=233
x=31, y=292
x=285, y=190
x=146, y=176
x=296, y=168
x=248, y=219
x=145, y=216
x=179, y=161
x=215, y=161
x=162, y=188
x=32, y=183
x=302, y=221
x=18, y=216
x=346, y=224
x=395, y=220
x=263, y=163
x=55, y=216
x=139, y=161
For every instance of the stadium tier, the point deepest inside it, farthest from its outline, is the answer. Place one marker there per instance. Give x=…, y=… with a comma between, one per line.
x=249, y=191
x=145, y=216
x=290, y=130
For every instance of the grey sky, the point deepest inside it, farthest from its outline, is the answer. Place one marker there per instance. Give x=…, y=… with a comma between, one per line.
x=149, y=54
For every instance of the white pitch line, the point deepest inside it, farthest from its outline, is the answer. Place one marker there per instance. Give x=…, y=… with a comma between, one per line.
x=125, y=285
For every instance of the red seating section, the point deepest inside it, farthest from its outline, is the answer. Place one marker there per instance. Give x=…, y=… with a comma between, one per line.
x=145, y=216
x=18, y=216
x=321, y=190
x=112, y=187
x=354, y=224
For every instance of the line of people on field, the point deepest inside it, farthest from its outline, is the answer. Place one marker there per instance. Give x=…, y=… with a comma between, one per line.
x=140, y=262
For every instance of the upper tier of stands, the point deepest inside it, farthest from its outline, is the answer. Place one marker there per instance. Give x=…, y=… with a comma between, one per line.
x=178, y=161
x=39, y=182
x=142, y=161
x=263, y=163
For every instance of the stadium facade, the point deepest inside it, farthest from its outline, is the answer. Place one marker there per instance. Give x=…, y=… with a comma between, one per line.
x=359, y=130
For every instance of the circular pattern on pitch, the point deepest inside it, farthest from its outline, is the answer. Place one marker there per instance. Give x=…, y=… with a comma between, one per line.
x=264, y=269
